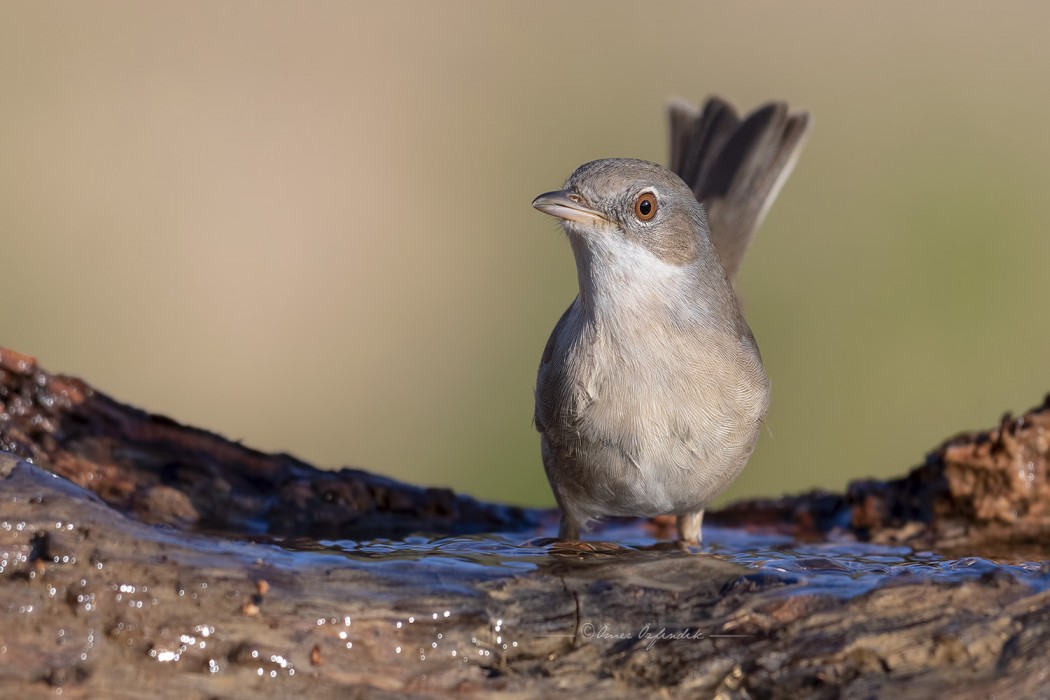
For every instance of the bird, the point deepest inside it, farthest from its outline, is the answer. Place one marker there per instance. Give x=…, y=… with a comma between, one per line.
x=651, y=392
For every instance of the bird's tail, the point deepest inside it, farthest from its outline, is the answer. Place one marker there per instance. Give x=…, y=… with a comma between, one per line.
x=736, y=166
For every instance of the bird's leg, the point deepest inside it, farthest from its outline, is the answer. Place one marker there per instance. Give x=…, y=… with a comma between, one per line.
x=569, y=528
x=689, y=527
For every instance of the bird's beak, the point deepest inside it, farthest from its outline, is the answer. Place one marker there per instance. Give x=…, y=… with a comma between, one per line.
x=568, y=205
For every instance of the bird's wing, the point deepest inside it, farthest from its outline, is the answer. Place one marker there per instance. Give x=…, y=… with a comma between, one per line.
x=735, y=166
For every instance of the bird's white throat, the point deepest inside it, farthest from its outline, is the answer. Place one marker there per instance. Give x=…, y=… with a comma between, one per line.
x=622, y=281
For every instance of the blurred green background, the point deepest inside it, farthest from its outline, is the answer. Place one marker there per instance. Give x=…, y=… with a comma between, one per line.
x=307, y=225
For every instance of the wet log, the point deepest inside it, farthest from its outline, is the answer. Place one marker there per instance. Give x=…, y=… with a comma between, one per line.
x=159, y=471
x=138, y=556
x=986, y=491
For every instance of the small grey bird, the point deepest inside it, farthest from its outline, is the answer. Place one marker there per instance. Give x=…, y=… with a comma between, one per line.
x=651, y=391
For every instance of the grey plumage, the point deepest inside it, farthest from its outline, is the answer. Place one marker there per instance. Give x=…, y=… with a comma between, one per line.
x=735, y=166
x=651, y=391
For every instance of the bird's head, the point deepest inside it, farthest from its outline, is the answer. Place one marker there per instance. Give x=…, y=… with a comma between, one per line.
x=618, y=205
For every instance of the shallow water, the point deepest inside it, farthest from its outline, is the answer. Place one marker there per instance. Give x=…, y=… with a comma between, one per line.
x=843, y=567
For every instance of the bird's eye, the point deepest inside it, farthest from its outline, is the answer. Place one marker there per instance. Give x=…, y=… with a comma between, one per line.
x=645, y=206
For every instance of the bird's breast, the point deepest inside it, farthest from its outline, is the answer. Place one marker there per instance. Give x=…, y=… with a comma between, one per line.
x=671, y=416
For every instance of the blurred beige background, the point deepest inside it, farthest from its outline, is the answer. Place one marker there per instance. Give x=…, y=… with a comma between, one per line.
x=307, y=225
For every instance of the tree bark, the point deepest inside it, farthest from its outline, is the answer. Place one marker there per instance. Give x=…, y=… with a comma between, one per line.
x=167, y=561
